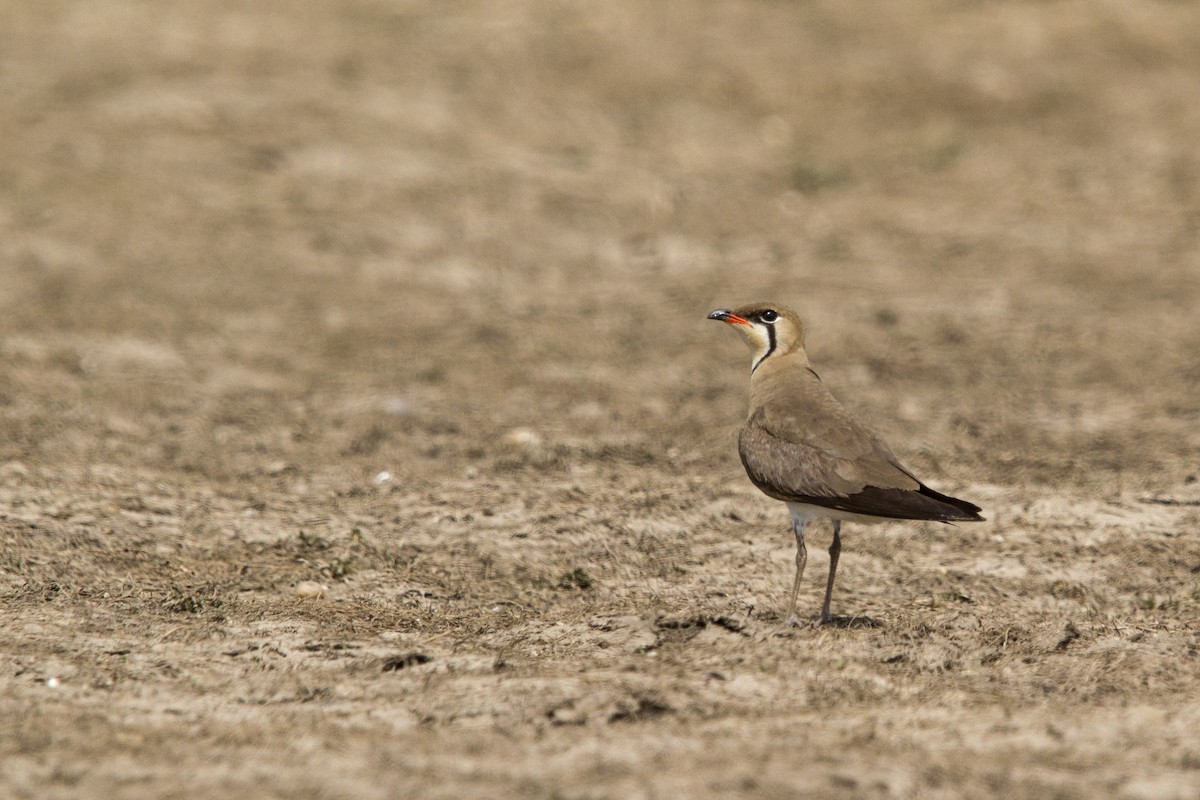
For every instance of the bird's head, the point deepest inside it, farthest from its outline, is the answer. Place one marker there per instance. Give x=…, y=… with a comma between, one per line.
x=768, y=328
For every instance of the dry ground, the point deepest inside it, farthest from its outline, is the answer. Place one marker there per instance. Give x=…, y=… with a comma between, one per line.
x=406, y=300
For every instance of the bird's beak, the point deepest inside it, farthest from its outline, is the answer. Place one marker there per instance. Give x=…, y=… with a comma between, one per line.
x=725, y=315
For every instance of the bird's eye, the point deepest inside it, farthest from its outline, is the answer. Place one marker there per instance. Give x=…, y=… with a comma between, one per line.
x=770, y=315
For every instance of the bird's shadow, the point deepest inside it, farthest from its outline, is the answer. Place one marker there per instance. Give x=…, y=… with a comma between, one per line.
x=855, y=621
x=836, y=621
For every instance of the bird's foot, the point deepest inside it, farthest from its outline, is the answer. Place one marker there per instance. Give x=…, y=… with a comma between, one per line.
x=790, y=626
x=794, y=623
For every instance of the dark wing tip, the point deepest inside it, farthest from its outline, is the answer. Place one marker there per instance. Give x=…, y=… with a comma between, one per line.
x=966, y=511
x=892, y=503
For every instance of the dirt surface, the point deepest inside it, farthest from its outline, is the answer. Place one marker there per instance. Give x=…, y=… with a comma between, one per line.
x=362, y=434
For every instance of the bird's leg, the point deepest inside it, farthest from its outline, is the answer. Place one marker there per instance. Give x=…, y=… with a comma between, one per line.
x=835, y=550
x=801, y=559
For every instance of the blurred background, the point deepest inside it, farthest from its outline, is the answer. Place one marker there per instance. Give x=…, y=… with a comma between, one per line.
x=488, y=215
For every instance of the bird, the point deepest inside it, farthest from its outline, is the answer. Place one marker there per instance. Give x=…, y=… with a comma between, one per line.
x=801, y=446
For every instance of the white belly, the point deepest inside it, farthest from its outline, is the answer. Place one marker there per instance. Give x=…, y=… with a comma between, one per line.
x=805, y=512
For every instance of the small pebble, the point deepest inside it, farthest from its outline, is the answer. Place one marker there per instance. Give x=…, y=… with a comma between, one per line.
x=525, y=437
x=311, y=590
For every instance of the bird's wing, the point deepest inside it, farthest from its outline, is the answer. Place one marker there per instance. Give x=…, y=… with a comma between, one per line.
x=799, y=473
x=801, y=446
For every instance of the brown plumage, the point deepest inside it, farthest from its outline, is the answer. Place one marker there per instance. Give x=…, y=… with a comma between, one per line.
x=799, y=445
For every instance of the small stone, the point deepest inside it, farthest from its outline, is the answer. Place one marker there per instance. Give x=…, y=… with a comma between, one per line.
x=311, y=590
x=524, y=437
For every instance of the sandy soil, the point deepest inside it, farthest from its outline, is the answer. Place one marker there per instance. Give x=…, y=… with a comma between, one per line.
x=362, y=436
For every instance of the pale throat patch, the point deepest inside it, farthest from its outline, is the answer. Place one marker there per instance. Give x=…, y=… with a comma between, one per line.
x=766, y=344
